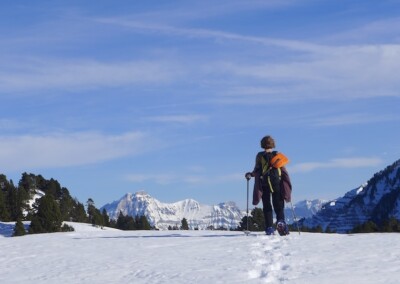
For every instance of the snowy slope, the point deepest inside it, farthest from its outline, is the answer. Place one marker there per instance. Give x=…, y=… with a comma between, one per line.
x=377, y=200
x=91, y=255
x=35, y=194
x=162, y=215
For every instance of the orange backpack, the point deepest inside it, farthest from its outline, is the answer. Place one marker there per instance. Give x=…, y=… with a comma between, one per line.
x=279, y=160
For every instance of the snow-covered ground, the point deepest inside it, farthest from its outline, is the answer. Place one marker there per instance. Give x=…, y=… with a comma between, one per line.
x=92, y=255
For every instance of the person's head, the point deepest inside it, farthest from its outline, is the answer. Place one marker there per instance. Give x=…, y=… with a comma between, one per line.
x=267, y=142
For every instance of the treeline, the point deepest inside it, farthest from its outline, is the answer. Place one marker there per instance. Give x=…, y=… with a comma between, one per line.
x=257, y=223
x=391, y=225
x=53, y=206
x=388, y=226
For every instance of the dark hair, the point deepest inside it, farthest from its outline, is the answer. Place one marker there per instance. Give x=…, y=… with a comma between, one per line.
x=267, y=142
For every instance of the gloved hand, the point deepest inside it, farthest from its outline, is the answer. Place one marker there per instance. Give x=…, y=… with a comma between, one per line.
x=248, y=175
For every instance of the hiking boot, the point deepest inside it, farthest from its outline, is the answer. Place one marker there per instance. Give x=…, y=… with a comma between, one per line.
x=282, y=228
x=270, y=231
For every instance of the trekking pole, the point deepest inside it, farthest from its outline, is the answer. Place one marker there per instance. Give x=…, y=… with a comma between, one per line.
x=247, y=232
x=294, y=217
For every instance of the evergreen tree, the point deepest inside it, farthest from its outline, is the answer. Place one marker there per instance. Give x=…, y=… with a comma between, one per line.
x=53, y=187
x=367, y=227
x=141, y=223
x=125, y=222
x=4, y=215
x=106, y=218
x=78, y=213
x=256, y=221
x=90, y=209
x=67, y=204
x=13, y=203
x=36, y=226
x=95, y=217
x=19, y=229
x=48, y=217
x=391, y=225
x=145, y=223
x=184, y=224
x=27, y=181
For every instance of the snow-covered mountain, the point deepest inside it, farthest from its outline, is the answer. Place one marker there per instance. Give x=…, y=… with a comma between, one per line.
x=377, y=200
x=303, y=209
x=162, y=215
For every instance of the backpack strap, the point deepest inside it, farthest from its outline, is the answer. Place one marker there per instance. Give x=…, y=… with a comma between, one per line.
x=267, y=167
x=266, y=162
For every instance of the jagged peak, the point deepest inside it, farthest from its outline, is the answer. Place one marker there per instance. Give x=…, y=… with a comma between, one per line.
x=142, y=193
x=227, y=204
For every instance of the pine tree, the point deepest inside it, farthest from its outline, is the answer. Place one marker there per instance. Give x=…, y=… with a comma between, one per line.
x=125, y=222
x=367, y=227
x=106, y=218
x=4, y=215
x=141, y=223
x=256, y=221
x=391, y=225
x=90, y=210
x=95, y=217
x=19, y=229
x=48, y=217
x=78, y=213
x=184, y=224
x=145, y=223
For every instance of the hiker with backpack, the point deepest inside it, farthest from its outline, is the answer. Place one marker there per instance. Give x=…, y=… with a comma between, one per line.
x=271, y=182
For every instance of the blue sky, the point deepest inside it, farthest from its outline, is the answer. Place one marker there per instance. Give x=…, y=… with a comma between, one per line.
x=173, y=97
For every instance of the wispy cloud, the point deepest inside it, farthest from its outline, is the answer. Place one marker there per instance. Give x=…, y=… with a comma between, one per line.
x=212, y=34
x=318, y=71
x=185, y=119
x=345, y=73
x=45, y=74
x=354, y=118
x=68, y=149
x=356, y=162
x=383, y=30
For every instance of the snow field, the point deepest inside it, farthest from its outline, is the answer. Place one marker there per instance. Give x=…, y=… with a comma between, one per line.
x=92, y=255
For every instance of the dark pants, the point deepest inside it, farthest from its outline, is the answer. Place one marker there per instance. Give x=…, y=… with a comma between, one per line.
x=278, y=203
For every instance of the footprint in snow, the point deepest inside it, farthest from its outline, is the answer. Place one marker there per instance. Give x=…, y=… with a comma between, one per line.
x=268, y=257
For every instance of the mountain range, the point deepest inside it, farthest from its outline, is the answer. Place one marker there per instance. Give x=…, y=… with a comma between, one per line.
x=199, y=216
x=377, y=200
x=163, y=215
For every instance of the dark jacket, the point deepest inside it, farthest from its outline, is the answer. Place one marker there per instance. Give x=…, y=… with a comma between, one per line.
x=285, y=184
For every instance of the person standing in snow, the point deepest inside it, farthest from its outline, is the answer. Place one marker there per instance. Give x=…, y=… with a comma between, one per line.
x=271, y=183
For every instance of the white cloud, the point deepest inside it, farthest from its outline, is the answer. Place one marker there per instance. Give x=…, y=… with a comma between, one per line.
x=356, y=162
x=354, y=118
x=212, y=34
x=186, y=119
x=63, y=150
x=379, y=31
x=343, y=73
x=50, y=74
